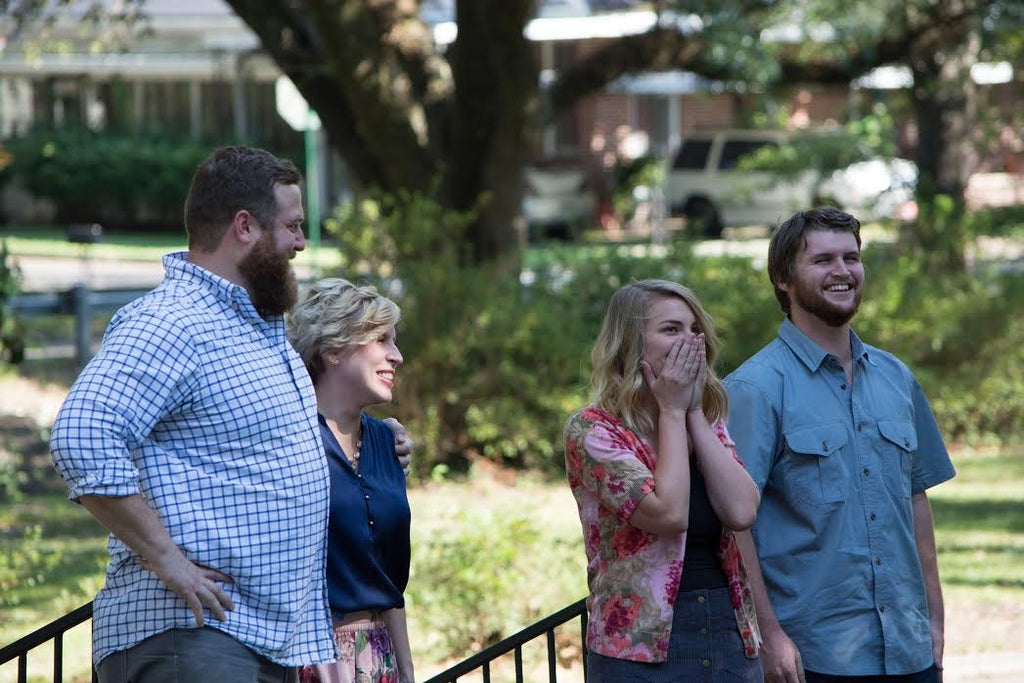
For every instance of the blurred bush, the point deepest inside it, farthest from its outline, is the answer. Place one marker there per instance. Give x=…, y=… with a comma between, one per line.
x=632, y=179
x=12, y=338
x=117, y=180
x=486, y=578
x=1000, y=221
x=497, y=357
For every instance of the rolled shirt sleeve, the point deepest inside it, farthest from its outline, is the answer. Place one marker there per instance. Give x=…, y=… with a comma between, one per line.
x=138, y=377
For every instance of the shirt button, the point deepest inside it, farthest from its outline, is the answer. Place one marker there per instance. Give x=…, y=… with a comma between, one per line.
x=843, y=387
x=367, y=497
x=867, y=471
x=878, y=560
x=860, y=427
x=700, y=599
x=371, y=522
x=706, y=663
x=703, y=631
x=881, y=608
x=824, y=446
x=872, y=516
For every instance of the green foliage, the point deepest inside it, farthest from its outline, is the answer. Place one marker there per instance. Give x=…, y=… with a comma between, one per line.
x=24, y=564
x=960, y=334
x=486, y=577
x=496, y=360
x=1002, y=221
x=867, y=134
x=12, y=343
x=105, y=177
x=628, y=176
x=940, y=234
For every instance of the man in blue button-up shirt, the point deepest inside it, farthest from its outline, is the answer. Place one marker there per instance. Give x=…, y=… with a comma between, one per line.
x=839, y=437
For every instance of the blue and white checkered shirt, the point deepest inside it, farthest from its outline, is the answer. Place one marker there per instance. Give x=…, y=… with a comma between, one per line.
x=201, y=406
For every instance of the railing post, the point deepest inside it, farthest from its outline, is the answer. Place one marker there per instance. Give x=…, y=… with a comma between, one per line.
x=83, y=322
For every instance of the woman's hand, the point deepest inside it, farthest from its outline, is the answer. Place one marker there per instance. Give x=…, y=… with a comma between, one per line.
x=673, y=388
x=697, y=401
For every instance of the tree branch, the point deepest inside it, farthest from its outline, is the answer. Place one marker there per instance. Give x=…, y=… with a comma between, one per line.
x=389, y=119
x=665, y=47
x=656, y=50
x=926, y=36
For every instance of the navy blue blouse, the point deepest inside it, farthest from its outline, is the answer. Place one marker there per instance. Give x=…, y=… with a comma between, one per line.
x=702, y=567
x=368, y=532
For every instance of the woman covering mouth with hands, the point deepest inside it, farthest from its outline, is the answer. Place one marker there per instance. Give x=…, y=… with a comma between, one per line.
x=346, y=337
x=661, y=496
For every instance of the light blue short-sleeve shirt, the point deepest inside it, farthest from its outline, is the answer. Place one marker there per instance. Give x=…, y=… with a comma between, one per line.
x=837, y=464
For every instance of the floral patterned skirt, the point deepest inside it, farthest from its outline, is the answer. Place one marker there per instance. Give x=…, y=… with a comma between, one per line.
x=365, y=655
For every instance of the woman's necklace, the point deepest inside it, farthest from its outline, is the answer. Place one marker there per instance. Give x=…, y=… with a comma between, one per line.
x=354, y=458
x=357, y=442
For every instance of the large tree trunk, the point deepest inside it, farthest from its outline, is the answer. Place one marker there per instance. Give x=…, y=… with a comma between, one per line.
x=945, y=106
x=396, y=112
x=495, y=110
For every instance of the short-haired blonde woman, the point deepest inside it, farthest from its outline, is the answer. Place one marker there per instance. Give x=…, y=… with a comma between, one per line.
x=661, y=495
x=346, y=337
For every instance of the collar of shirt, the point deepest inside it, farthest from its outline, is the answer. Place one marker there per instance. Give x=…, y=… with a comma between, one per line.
x=812, y=355
x=179, y=268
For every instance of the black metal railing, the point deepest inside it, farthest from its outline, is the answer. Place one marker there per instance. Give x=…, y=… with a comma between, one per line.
x=54, y=631
x=482, y=660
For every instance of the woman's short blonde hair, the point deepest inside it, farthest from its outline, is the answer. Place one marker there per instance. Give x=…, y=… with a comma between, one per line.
x=617, y=382
x=334, y=315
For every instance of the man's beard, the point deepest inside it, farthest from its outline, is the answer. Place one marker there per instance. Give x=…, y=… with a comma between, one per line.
x=269, y=278
x=810, y=298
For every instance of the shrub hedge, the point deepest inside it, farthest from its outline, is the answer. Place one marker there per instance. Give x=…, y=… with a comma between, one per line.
x=116, y=180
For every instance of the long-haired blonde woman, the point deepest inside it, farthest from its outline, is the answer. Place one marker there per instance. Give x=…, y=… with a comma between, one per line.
x=661, y=495
x=346, y=337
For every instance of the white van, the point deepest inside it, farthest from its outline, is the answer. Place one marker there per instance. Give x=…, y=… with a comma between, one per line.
x=705, y=184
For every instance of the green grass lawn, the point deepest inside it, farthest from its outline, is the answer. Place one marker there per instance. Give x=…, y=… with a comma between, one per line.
x=979, y=521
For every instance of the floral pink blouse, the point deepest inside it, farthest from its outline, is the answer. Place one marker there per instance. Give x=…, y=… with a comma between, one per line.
x=634, y=575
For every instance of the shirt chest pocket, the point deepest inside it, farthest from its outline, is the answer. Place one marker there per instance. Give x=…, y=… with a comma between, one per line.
x=899, y=441
x=813, y=466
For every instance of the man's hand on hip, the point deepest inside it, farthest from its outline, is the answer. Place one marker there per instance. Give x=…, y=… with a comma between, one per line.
x=197, y=585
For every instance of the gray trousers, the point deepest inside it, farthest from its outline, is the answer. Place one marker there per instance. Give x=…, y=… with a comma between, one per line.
x=191, y=655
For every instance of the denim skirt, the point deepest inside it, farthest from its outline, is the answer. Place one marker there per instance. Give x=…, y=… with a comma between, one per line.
x=705, y=647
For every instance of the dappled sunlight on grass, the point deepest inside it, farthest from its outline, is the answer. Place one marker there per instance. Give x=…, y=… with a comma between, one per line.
x=979, y=522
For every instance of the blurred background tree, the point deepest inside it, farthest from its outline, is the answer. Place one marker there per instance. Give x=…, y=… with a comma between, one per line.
x=409, y=115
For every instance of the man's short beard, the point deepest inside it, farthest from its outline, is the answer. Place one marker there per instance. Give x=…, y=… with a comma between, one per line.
x=269, y=278
x=816, y=304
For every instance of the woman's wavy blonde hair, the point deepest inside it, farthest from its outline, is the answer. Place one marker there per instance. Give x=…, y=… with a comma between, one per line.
x=337, y=314
x=617, y=382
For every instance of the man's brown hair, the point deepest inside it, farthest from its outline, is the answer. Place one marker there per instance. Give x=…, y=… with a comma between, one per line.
x=229, y=180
